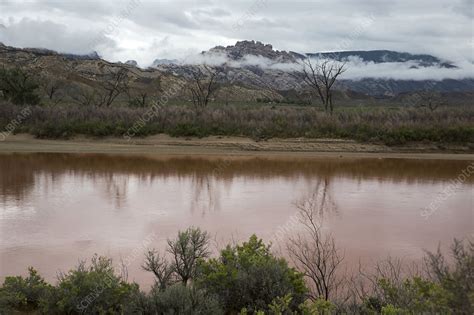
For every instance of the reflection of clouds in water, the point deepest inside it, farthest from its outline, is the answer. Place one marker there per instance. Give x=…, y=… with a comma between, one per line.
x=11, y=210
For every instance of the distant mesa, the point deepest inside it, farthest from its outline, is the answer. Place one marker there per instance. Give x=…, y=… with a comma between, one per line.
x=253, y=48
x=131, y=63
x=47, y=52
x=159, y=62
x=90, y=56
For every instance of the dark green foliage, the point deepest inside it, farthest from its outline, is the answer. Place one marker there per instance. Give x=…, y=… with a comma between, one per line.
x=456, y=279
x=448, y=289
x=18, y=87
x=18, y=293
x=413, y=295
x=137, y=102
x=249, y=276
x=94, y=289
x=245, y=279
x=180, y=299
x=320, y=306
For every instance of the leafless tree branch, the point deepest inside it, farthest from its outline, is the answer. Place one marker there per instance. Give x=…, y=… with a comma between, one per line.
x=320, y=75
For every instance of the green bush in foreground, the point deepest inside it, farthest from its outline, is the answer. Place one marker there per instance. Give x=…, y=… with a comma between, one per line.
x=181, y=299
x=249, y=276
x=414, y=295
x=244, y=279
x=94, y=289
x=23, y=294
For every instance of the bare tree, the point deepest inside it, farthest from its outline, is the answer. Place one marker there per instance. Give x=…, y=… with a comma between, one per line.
x=143, y=99
x=85, y=96
x=314, y=253
x=139, y=100
x=161, y=268
x=203, y=86
x=52, y=88
x=116, y=84
x=366, y=283
x=430, y=100
x=147, y=89
x=321, y=75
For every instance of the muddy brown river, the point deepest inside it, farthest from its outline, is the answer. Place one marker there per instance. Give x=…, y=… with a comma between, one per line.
x=56, y=209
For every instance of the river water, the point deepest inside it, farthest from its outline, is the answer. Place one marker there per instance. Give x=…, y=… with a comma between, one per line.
x=56, y=209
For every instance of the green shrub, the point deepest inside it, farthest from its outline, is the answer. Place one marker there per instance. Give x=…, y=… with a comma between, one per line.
x=415, y=295
x=249, y=276
x=23, y=294
x=94, y=289
x=280, y=305
x=245, y=279
x=318, y=307
x=457, y=277
x=52, y=131
x=188, y=130
x=180, y=299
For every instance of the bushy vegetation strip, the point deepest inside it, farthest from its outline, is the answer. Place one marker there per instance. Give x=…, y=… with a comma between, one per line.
x=389, y=126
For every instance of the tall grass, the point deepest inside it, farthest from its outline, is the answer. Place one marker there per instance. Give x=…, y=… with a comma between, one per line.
x=390, y=126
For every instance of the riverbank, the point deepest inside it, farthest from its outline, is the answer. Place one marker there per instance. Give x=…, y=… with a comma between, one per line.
x=233, y=146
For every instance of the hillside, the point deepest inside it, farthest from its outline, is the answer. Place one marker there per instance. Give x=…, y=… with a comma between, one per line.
x=249, y=71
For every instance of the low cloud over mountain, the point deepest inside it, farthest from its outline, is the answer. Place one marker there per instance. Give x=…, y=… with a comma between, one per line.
x=361, y=65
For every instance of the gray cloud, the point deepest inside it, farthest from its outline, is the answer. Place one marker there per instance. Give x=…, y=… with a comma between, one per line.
x=173, y=29
x=52, y=35
x=357, y=69
x=406, y=71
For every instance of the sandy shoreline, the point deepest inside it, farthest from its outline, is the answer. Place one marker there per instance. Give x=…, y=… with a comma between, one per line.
x=162, y=145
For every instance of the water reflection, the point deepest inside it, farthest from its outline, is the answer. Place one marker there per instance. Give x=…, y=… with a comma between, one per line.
x=61, y=207
x=20, y=172
x=115, y=189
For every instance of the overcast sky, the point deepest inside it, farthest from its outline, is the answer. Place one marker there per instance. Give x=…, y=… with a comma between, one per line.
x=144, y=30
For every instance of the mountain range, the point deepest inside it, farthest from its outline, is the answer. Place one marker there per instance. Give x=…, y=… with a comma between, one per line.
x=257, y=64
x=254, y=70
